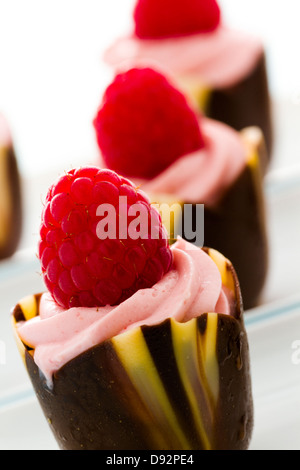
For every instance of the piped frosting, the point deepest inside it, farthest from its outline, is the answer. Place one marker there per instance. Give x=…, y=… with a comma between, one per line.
x=194, y=286
x=203, y=176
x=218, y=59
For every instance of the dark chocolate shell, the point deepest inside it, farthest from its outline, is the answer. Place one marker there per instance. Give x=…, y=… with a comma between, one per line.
x=244, y=104
x=236, y=224
x=10, y=201
x=172, y=386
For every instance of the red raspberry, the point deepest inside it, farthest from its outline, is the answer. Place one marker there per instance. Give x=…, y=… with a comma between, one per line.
x=79, y=266
x=144, y=124
x=155, y=19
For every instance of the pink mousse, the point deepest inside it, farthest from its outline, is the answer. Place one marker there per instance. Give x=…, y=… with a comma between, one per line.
x=203, y=176
x=192, y=287
x=219, y=59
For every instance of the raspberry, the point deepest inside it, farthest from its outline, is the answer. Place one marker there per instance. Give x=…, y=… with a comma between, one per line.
x=81, y=269
x=155, y=19
x=144, y=124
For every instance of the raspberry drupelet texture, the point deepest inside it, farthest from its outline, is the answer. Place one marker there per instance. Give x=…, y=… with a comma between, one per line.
x=157, y=19
x=144, y=124
x=80, y=266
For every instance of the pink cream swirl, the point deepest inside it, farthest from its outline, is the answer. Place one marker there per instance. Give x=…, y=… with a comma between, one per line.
x=203, y=176
x=192, y=287
x=219, y=59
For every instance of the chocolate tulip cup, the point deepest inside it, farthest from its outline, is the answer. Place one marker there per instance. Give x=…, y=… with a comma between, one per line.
x=183, y=386
x=244, y=104
x=10, y=195
x=236, y=224
x=223, y=72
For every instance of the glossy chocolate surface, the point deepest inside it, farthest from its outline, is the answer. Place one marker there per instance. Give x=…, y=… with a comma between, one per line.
x=12, y=222
x=237, y=228
x=236, y=224
x=246, y=104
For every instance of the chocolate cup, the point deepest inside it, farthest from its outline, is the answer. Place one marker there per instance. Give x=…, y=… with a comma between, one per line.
x=235, y=225
x=245, y=104
x=11, y=217
x=172, y=386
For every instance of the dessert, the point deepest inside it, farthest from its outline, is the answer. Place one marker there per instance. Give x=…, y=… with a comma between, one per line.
x=10, y=194
x=165, y=367
x=221, y=69
x=146, y=128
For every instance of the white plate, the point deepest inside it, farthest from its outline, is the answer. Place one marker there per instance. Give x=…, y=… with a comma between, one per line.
x=274, y=339
x=283, y=224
